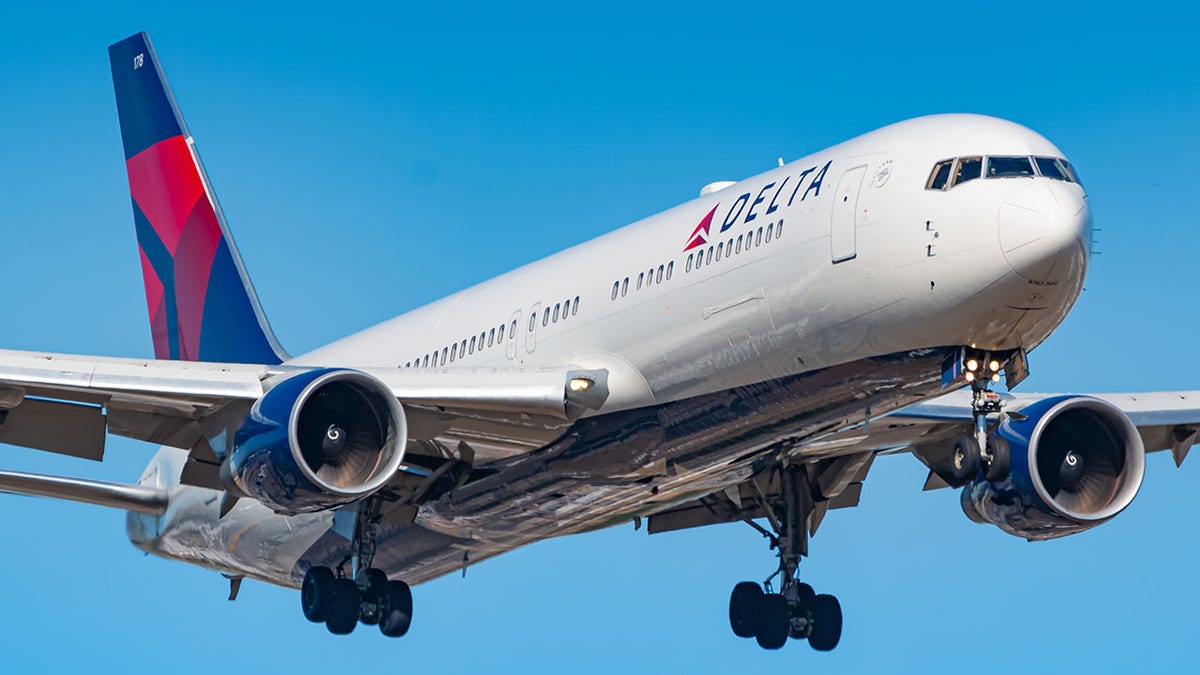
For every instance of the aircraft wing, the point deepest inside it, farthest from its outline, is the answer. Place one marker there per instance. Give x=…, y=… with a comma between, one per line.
x=838, y=463
x=66, y=403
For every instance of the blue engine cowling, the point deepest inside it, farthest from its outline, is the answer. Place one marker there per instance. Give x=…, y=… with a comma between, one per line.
x=319, y=440
x=1077, y=461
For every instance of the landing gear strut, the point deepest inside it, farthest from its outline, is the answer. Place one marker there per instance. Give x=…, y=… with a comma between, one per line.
x=978, y=450
x=367, y=595
x=796, y=611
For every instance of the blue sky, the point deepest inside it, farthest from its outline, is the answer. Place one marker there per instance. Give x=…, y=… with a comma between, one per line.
x=373, y=159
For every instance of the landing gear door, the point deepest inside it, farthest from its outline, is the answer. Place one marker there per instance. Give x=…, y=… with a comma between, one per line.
x=845, y=214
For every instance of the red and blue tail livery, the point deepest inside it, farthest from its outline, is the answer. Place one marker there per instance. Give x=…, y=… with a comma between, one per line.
x=202, y=306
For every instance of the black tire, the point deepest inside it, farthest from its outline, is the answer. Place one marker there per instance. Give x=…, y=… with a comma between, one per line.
x=397, y=609
x=316, y=592
x=826, y=629
x=343, y=610
x=372, y=610
x=775, y=622
x=804, y=597
x=745, y=607
x=997, y=469
x=964, y=460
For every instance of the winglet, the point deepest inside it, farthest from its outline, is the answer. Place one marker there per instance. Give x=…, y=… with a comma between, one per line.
x=202, y=305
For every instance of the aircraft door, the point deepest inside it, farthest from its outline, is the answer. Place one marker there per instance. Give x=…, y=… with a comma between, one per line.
x=510, y=342
x=845, y=215
x=531, y=329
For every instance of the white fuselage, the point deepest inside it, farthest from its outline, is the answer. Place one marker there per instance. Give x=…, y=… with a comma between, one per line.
x=851, y=258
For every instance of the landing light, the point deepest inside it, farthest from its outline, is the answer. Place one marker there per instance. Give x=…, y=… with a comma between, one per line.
x=579, y=384
x=970, y=377
x=972, y=365
x=994, y=366
x=995, y=377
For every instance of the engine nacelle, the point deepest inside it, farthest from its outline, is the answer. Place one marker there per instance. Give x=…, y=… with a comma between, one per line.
x=318, y=440
x=1077, y=461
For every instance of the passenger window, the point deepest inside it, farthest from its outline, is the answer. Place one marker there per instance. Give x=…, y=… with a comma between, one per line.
x=779, y=229
x=1009, y=167
x=720, y=245
x=1050, y=168
x=758, y=237
x=546, y=317
x=969, y=168
x=472, y=344
x=481, y=337
x=453, y=352
x=641, y=278
x=492, y=337
x=575, y=307
x=566, y=308
x=769, y=228
x=557, y=306
x=616, y=287
x=729, y=247
x=532, y=322
x=658, y=278
x=939, y=175
x=425, y=363
x=462, y=349
x=445, y=350
x=688, y=267
x=708, y=258
x=739, y=245
x=408, y=364
x=624, y=286
x=670, y=268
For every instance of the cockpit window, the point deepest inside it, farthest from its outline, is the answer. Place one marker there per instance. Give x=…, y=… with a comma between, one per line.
x=1051, y=168
x=939, y=176
x=1009, y=167
x=1071, y=171
x=969, y=168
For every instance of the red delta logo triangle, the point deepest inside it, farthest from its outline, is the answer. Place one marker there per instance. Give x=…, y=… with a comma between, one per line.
x=699, y=235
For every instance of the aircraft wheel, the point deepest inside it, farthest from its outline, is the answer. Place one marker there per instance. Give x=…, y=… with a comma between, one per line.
x=826, y=623
x=775, y=622
x=397, y=609
x=343, y=610
x=964, y=459
x=804, y=598
x=997, y=467
x=372, y=607
x=316, y=592
x=745, y=606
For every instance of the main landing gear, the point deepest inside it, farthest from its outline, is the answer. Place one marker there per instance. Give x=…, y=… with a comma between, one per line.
x=368, y=596
x=796, y=611
x=979, y=450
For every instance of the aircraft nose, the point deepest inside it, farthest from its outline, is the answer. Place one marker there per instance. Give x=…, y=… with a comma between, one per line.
x=1042, y=222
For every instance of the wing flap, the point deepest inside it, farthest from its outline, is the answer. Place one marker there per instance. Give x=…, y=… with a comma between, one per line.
x=55, y=426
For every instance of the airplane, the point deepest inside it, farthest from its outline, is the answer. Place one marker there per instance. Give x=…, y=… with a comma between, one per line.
x=743, y=357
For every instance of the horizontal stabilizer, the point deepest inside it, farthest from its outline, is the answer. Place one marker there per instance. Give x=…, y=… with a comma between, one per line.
x=150, y=501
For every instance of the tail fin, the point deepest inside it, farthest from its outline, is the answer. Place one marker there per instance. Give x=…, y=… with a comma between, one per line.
x=202, y=306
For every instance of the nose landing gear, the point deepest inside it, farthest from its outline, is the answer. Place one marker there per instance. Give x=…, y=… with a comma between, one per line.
x=979, y=450
x=796, y=611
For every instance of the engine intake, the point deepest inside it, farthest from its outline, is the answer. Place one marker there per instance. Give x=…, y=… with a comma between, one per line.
x=318, y=440
x=1077, y=462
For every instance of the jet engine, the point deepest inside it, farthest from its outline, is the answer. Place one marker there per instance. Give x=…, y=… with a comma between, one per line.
x=1076, y=462
x=318, y=440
